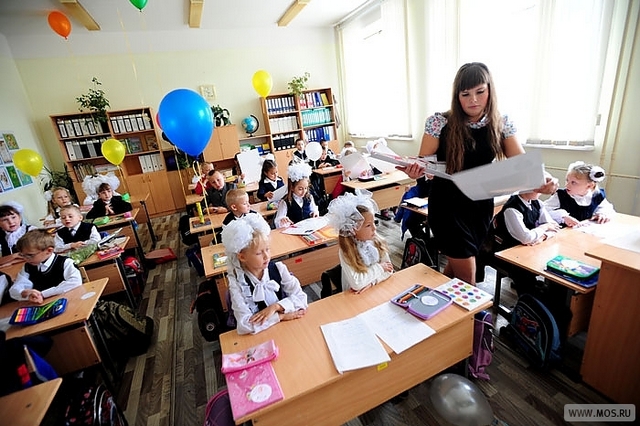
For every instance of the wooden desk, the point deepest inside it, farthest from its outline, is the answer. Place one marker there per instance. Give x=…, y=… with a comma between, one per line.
x=128, y=229
x=572, y=243
x=305, y=262
x=610, y=361
x=330, y=176
x=28, y=407
x=73, y=346
x=387, y=188
x=327, y=397
x=498, y=202
x=217, y=218
x=12, y=268
x=113, y=269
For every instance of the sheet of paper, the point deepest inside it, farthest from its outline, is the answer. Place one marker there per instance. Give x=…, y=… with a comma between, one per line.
x=628, y=241
x=382, y=159
x=516, y=174
x=396, y=327
x=609, y=230
x=250, y=164
x=307, y=226
x=353, y=345
x=417, y=201
x=355, y=163
x=279, y=193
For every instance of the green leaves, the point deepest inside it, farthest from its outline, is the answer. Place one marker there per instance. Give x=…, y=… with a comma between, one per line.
x=297, y=85
x=94, y=101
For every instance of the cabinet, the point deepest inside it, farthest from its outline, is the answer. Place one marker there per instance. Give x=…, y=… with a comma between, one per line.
x=141, y=172
x=223, y=145
x=288, y=118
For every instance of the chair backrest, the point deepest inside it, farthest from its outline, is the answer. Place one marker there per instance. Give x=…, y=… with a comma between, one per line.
x=206, y=239
x=333, y=275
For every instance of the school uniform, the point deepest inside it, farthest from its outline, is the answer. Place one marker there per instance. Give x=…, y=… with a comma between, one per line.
x=299, y=208
x=593, y=203
x=230, y=217
x=83, y=231
x=8, y=240
x=117, y=204
x=216, y=197
x=268, y=185
x=54, y=276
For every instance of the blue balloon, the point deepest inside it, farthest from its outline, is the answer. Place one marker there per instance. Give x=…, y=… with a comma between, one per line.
x=187, y=120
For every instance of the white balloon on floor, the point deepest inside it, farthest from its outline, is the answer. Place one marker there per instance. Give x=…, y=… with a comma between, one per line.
x=460, y=401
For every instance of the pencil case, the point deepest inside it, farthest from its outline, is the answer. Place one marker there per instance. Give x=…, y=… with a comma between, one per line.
x=421, y=301
x=572, y=268
x=255, y=355
x=28, y=315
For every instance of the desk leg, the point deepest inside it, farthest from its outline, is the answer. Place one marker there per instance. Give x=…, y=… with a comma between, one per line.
x=138, y=243
x=154, y=240
x=108, y=365
x=127, y=286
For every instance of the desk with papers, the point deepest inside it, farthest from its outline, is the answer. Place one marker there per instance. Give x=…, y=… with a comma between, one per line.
x=304, y=353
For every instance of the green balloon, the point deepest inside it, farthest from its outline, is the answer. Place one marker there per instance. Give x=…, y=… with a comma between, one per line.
x=140, y=4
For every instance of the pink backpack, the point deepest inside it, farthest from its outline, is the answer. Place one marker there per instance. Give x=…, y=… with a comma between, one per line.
x=482, y=345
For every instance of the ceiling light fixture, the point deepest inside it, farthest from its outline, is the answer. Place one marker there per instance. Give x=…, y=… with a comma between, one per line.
x=295, y=8
x=195, y=13
x=80, y=14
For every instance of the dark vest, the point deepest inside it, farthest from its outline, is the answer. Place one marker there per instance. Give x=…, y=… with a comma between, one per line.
x=274, y=274
x=501, y=235
x=50, y=278
x=82, y=234
x=264, y=187
x=576, y=211
x=297, y=213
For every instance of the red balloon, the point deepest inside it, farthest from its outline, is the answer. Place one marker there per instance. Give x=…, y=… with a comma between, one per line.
x=158, y=120
x=59, y=23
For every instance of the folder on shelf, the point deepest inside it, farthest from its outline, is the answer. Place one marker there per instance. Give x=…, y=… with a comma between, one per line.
x=325, y=100
x=134, y=123
x=70, y=151
x=69, y=126
x=92, y=149
x=121, y=124
x=114, y=125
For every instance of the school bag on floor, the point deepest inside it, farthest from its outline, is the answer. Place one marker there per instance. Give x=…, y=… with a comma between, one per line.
x=94, y=406
x=218, y=411
x=127, y=332
x=416, y=251
x=482, y=345
x=194, y=258
x=210, y=314
x=534, y=331
x=188, y=239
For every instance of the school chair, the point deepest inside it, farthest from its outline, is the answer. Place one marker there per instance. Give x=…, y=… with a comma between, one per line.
x=333, y=275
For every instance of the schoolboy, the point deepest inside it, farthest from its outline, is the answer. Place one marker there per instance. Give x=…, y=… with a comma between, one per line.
x=238, y=203
x=215, y=199
x=201, y=181
x=74, y=233
x=45, y=273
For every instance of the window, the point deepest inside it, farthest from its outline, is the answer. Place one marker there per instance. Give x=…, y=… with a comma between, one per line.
x=374, y=67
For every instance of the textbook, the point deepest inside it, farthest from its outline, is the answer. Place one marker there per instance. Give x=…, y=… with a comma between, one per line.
x=28, y=315
x=421, y=301
x=251, y=379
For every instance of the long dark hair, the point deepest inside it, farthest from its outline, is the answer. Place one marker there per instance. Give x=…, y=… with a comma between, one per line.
x=469, y=76
x=266, y=166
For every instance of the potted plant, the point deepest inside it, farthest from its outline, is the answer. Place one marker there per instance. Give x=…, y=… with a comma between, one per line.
x=220, y=116
x=95, y=102
x=297, y=85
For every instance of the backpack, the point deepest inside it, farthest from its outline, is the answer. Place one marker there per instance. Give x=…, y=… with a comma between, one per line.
x=194, y=258
x=274, y=274
x=188, y=239
x=218, y=411
x=207, y=304
x=135, y=274
x=127, y=332
x=94, y=406
x=535, y=332
x=482, y=345
x=416, y=251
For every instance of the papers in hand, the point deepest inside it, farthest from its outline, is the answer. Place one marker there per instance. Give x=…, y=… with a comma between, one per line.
x=279, y=194
x=417, y=202
x=353, y=345
x=520, y=173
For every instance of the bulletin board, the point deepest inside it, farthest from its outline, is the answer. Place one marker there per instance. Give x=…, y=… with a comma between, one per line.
x=10, y=177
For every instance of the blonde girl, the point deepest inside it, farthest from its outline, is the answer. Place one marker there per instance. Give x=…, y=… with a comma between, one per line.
x=581, y=199
x=258, y=298
x=298, y=204
x=364, y=256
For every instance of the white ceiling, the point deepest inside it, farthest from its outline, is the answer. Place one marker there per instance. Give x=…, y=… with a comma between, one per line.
x=20, y=18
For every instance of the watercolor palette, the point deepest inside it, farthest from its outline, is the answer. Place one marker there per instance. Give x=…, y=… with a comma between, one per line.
x=465, y=295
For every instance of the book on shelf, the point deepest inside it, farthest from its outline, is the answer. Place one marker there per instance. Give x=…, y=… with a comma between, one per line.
x=133, y=145
x=325, y=100
x=152, y=142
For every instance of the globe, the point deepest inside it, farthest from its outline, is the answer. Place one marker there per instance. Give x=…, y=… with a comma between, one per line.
x=250, y=124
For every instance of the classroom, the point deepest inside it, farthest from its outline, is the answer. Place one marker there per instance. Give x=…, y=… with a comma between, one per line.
x=382, y=84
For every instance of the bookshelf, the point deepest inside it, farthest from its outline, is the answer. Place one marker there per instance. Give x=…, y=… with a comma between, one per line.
x=143, y=168
x=288, y=117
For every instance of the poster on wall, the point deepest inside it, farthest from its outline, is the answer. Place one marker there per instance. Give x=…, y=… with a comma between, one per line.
x=10, y=177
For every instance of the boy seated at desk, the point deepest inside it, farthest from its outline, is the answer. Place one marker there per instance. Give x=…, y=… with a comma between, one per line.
x=74, y=233
x=201, y=184
x=238, y=203
x=108, y=204
x=522, y=220
x=45, y=273
x=215, y=198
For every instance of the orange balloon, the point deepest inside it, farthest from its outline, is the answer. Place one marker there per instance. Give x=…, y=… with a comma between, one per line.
x=59, y=23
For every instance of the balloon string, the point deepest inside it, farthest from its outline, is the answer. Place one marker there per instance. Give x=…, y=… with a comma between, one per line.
x=75, y=63
x=123, y=180
x=151, y=52
x=129, y=51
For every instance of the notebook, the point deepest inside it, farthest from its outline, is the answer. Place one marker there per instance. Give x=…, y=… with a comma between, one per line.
x=28, y=315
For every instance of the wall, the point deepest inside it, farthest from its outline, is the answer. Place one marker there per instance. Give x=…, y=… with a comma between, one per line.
x=16, y=115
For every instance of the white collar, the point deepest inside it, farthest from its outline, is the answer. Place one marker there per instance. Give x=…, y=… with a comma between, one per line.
x=43, y=266
x=583, y=200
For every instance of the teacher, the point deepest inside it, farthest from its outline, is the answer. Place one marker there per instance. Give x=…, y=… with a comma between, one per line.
x=472, y=133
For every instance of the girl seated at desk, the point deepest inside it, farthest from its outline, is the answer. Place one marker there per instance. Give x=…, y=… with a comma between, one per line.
x=12, y=227
x=364, y=256
x=269, y=180
x=108, y=204
x=298, y=204
x=262, y=292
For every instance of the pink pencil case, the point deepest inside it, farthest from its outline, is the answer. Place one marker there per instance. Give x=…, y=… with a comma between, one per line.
x=255, y=355
x=421, y=301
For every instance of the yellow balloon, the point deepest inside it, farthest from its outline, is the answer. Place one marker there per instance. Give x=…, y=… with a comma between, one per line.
x=28, y=161
x=114, y=151
x=262, y=83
